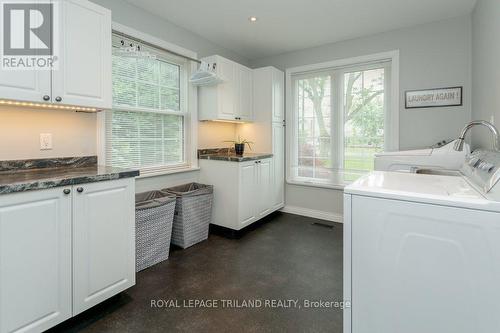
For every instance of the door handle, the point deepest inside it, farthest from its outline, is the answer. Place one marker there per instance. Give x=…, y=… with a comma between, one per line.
x=46, y=97
x=67, y=191
x=79, y=189
x=58, y=99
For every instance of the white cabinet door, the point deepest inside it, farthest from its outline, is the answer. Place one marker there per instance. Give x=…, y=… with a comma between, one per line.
x=84, y=73
x=264, y=191
x=35, y=260
x=278, y=138
x=26, y=85
x=278, y=96
x=246, y=94
x=103, y=241
x=247, y=195
x=227, y=89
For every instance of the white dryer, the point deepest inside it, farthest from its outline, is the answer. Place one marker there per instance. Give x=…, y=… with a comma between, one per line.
x=422, y=251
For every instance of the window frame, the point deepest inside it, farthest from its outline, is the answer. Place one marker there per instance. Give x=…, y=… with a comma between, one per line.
x=189, y=110
x=337, y=69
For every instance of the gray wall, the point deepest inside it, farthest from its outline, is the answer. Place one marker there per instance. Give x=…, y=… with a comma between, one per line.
x=431, y=55
x=485, y=68
x=139, y=19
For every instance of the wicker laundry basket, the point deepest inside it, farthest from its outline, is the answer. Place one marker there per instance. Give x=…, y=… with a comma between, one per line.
x=154, y=214
x=193, y=213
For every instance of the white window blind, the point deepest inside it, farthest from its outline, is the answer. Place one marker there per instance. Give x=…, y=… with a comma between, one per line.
x=147, y=127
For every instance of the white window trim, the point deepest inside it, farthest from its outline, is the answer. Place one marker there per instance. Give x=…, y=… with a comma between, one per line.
x=392, y=139
x=191, y=117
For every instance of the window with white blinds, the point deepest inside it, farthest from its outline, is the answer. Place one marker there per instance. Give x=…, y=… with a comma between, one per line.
x=147, y=127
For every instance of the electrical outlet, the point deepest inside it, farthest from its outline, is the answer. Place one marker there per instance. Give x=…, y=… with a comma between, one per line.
x=45, y=141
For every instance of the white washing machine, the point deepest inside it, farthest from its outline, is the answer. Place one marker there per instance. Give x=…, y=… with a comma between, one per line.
x=422, y=250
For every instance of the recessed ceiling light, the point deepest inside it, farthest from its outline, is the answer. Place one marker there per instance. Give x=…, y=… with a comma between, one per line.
x=252, y=19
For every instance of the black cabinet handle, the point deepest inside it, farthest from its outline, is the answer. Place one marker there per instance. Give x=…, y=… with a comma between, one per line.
x=67, y=191
x=79, y=189
x=46, y=97
x=58, y=99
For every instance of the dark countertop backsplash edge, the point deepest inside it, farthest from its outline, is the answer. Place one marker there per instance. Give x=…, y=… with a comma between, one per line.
x=38, y=174
x=45, y=163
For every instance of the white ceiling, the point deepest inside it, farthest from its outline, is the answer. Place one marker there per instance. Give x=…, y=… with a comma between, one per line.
x=288, y=25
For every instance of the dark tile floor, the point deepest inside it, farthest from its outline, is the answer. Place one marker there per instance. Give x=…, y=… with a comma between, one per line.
x=286, y=258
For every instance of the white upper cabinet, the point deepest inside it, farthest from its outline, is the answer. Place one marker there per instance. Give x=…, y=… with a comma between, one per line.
x=245, y=97
x=84, y=73
x=226, y=91
x=231, y=100
x=278, y=84
x=268, y=94
x=26, y=85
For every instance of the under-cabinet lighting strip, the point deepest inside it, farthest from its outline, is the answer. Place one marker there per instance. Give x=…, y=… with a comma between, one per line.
x=47, y=106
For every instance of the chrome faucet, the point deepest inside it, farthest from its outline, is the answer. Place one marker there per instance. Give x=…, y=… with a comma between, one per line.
x=459, y=144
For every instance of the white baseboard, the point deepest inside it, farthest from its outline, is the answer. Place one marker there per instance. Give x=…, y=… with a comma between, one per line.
x=317, y=214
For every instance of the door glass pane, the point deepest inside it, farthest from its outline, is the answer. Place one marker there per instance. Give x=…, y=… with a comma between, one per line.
x=363, y=118
x=314, y=127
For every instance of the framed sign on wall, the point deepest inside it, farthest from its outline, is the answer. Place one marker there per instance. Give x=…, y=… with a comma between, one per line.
x=432, y=98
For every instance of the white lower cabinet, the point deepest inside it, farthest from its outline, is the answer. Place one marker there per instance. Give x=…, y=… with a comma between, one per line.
x=278, y=141
x=242, y=191
x=264, y=189
x=35, y=260
x=103, y=242
x=63, y=250
x=247, y=189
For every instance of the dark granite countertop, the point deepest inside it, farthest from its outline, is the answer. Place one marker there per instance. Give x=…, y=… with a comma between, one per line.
x=226, y=154
x=27, y=175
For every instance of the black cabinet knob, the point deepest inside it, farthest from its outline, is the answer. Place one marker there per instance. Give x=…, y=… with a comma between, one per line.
x=58, y=98
x=46, y=97
x=79, y=189
x=67, y=191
